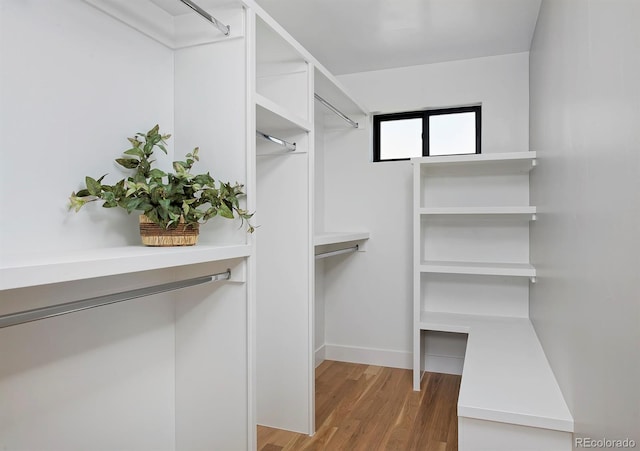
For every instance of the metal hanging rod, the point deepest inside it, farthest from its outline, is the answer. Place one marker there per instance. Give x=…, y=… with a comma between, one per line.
x=208, y=17
x=287, y=145
x=353, y=123
x=347, y=250
x=13, y=319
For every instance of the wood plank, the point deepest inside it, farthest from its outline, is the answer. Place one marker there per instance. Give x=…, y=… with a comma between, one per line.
x=366, y=407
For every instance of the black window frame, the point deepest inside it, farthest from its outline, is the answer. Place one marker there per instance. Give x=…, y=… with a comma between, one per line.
x=425, y=115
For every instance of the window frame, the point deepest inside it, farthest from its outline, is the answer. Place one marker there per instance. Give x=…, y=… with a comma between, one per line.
x=425, y=115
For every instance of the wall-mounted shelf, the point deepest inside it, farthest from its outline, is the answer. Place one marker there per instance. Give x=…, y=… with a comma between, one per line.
x=328, y=88
x=511, y=211
x=477, y=164
x=478, y=268
x=328, y=244
x=282, y=72
x=172, y=23
x=326, y=238
x=276, y=119
x=39, y=269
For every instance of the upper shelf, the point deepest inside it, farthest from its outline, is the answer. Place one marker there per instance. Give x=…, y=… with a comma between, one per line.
x=39, y=269
x=279, y=54
x=275, y=52
x=274, y=118
x=327, y=87
x=174, y=24
x=477, y=164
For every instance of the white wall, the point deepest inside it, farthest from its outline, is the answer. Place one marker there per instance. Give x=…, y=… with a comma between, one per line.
x=585, y=111
x=75, y=84
x=369, y=295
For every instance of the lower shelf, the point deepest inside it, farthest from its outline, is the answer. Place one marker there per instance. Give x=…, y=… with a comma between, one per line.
x=506, y=376
x=478, y=268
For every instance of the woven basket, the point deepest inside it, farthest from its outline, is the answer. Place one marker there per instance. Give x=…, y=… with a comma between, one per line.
x=154, y=235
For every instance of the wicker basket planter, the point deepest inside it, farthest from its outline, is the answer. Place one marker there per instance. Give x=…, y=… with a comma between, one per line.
x=154, y=235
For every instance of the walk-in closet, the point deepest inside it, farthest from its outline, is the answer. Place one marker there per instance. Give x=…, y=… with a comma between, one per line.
x=382, y=281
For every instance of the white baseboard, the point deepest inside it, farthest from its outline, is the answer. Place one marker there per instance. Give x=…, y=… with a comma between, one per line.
x=385, y=357
x=320, y=355
x=443, y=364
x=368, y=356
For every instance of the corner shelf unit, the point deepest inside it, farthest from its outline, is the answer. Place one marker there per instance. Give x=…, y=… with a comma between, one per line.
x=491, y=175
x=476, y=206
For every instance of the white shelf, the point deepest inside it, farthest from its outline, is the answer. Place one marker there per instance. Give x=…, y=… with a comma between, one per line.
x=39, y=269
x=478, y=268
x=477, y=164
x=526, y=211
x=173, y=24
x=326, y=238
x=273, y=118
x=506, y=376
x=276, y=50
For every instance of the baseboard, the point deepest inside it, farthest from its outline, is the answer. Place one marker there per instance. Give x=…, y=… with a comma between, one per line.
x=385, y=357
x=368, y=356
x=443, y=364
x=320, y=355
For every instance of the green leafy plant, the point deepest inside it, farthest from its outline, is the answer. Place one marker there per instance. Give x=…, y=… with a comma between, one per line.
x=165, y=198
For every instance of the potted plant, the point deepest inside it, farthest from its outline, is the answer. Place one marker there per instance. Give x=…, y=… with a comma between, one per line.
x=173, y=205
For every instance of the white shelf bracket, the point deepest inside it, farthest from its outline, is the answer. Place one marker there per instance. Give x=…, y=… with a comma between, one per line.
x=532, y=279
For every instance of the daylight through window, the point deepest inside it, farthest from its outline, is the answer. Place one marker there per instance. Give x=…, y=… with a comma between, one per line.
x=451, y=131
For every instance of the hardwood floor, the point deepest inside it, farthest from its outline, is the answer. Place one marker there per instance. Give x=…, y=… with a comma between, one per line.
x=364, y=407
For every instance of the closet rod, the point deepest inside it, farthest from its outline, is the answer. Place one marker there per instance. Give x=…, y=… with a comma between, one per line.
x=287, y=145
x=220, y=26
x=353, y=123
x=27, y=316
x=338, y=252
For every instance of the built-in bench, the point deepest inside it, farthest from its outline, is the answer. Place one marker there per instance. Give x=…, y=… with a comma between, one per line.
x=509, y=398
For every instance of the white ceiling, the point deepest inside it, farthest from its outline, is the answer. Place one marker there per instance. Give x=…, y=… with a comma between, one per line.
x=361, y=35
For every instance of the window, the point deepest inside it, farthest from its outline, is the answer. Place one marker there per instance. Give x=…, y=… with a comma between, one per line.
x=450, y=131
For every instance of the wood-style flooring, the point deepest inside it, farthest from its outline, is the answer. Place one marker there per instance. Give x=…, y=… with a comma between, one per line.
x=364, y=407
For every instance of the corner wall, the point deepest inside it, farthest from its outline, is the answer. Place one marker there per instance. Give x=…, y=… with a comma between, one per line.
x=369, y=297
x=585, y=111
